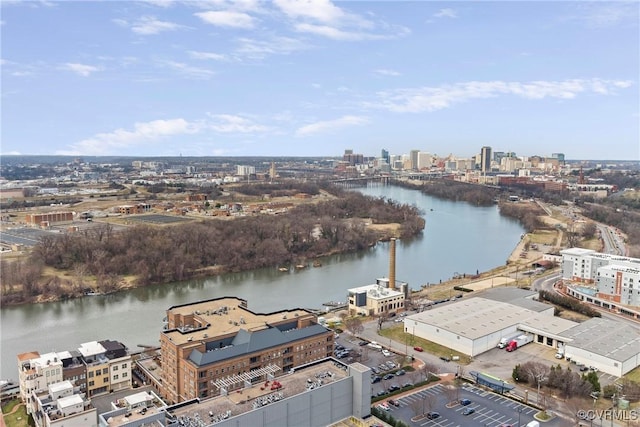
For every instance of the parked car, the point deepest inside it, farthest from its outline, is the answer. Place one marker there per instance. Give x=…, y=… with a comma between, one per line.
x=408, y=384
x=433, y=415
x=388, y=377
x=418, y=348
x=394, y=387
x=400, y=372
x=465, y=402
x=376, y=379
x=393, y=402
x=386, y=352
x=468, y=411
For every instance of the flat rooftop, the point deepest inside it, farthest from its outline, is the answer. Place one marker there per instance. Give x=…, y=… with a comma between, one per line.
x=604, y=337
x=224, y=316
x=242, y=401
x=477, y=317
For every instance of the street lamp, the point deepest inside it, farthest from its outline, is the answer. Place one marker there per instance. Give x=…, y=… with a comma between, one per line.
x=519, y=412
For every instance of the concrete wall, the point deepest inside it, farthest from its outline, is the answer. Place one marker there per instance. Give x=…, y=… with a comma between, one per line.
x=603, y=363
x=323, y=406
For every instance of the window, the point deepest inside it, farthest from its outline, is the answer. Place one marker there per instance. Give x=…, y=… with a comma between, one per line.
x=115, y=377
x=90, y=374
x=124, y=375
x=115, y=367
x=91, y=383
x=105, y=379
x=105, y=371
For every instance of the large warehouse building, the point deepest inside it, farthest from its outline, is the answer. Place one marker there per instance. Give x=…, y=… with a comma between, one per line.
x=475, y=325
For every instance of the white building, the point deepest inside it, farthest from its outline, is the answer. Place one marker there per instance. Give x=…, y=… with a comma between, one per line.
x=62, y=406
x=617, y=278
x=376, y=299
x=36, y=372
x=243, y=170
x=476, y=325
x=612, y=347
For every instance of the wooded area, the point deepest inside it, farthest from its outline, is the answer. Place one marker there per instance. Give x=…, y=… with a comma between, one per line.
x=165, y=254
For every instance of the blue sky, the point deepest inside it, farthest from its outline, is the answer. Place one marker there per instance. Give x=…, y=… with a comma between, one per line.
x=311, y=78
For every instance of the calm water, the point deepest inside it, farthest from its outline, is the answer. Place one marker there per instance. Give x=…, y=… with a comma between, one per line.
x=458, y=238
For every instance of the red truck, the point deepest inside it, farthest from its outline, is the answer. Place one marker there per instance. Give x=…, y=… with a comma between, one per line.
x=519, y=341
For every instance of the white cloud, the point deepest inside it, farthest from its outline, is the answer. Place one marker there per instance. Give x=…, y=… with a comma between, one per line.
x=429, y=99
x=80, y=69
x=319, y=10
x=208, y=55
x=331, y=125
x=142, y=133
x=446, y=13
x=228, y=123
x=227, y=18
x=603, y=14
x=386, y=72
x=257, y=49
x=148, y=25
x=323, y=18
x=339, y=34
x=188, y=70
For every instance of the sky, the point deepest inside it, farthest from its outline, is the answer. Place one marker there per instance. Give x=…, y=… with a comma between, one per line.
x=313, y=78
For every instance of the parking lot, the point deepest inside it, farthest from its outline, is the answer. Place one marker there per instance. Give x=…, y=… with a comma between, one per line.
x=484, y=409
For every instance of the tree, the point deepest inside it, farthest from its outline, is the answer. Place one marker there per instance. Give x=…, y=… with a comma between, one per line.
x=429, y=369
x=354, y=325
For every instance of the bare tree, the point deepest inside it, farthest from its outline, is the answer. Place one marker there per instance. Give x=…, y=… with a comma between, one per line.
x=451, y=393
x=429, y=369
x=417, y=407
x=353, y=325
x=429, y=401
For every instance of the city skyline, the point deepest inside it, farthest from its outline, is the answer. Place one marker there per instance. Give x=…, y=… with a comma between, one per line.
x=288, y=78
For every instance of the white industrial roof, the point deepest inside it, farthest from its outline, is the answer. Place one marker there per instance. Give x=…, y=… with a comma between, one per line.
x=615, y=340
x=477, y=317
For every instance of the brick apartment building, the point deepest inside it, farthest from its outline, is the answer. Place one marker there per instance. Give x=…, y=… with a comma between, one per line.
x=208, y=342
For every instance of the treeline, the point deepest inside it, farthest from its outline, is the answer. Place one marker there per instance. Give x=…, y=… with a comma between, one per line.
x=569, y=303
x=525, y=214
x=163, y=254
x=627, y=221
x=279, y=190
x=478, y=195
x=566, y=381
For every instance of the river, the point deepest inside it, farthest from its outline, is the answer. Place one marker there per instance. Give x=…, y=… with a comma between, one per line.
x=458, y=238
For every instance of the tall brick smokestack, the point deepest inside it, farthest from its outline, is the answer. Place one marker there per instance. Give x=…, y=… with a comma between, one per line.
x=392, y=263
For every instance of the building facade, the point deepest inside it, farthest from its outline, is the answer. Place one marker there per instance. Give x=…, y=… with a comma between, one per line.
x=616, y=278
x=208, y=341
x=377, y=299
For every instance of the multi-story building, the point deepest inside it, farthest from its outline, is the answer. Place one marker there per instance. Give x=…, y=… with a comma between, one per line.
x=63, y=406
x=119, y=365
x=36, y=372
x=485, y=159
x=208, y=341
x=95, y=368
x=413, y=159
x=616, y=278
x=377, y=299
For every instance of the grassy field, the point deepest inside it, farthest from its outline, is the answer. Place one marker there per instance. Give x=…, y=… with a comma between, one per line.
x=396, y=333
x=17, y=419
x=634, y=375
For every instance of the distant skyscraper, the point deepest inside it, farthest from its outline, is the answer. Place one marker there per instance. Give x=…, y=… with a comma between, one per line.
x=485, y=159
x=385, y=155
x=559, y=156
x=413, y=157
